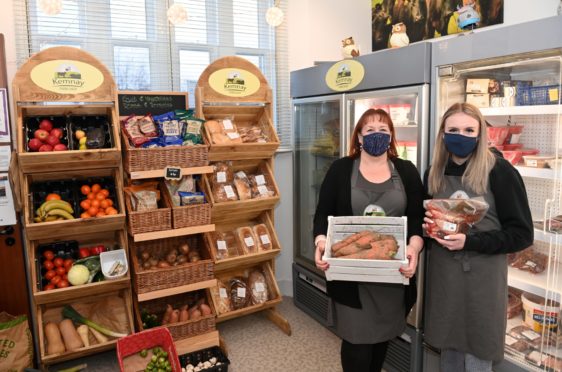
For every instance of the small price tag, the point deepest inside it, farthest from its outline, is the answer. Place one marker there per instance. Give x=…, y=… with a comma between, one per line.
x=241, y=292
x=221, y=245
x=509, y=340
x=260, y=287
x=227, y=124
x=553, y=95
x=173, y=173
x=241, y=174
x=448, y=226
x=263, y=190
x=229, y=192
x=233, y=135
x=532, y=163
x=265, y=239
x=531, y=264
x=260, y=179
x=249, y=241
x=531, y=335
x=221, y=177
x=222, y=293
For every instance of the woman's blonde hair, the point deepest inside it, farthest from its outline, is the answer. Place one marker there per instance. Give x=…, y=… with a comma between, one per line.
x=481, y=160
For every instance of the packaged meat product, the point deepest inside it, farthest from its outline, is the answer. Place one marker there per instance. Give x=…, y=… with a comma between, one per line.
x=260, y=187
x=453, y=216
x=259, y=292
x=224, y=192
x=524, y=332
x=247, y=240
x=222, y=297
x=239, y=293
x=529, y=260
x=515, y=345
x=553, y=363
x=514, y=304
x=537, y=358
x=242, y=184
x=263, y=237
x=222, y=173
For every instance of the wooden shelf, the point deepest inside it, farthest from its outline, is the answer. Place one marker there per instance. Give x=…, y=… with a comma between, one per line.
x=173, y=233
x=248, y=310
x=73, y=293
x=176, y=290
x=245, y=260
x=80, y=353
x=160, y=172
x=195, y=343
x=522, y=110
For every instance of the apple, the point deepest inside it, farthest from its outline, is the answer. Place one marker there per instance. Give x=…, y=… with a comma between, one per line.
x=60, y=147
x=52, y=140
x=57, y=132
x=34, y=144
x=44, y=148
x=46, y=124
x=41, y=134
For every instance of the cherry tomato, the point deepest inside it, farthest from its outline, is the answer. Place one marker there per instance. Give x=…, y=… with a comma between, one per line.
x=95, y=188
x=105, y=192
x=60, y=271
x=48, y=255
x=68, y=263
x=55, y=280
x=100, y=196
x=84, y=252
x=85, y=189
x=65, y=277
x=53, y=196
x=58, y=262
x=96, y=250
x=48, y=265
x=48, y=287
x=62, y=283
x=50, y=274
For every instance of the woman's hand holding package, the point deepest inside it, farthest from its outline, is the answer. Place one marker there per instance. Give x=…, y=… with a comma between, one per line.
x=454, y=242
x=322, y=265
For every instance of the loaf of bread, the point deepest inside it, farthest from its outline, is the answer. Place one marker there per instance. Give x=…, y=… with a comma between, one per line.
x=222, y=297
x=252, y=134
x=263, y=237
x=242, y=184
x=239, y=293
x=224, y=244
x=247, y=240
x=222, y=173
x=224, y=192
x=257, y=284
x=213, y=126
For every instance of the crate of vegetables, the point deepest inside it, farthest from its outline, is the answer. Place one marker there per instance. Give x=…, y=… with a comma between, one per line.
x=207, y=360
x=135, y=352
x=366, y=249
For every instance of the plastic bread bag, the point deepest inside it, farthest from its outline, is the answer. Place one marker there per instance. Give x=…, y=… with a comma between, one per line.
x=261, y=187
x=220, y=245
x=222, y=173
x=252, y=134
x=242, y=184
x=263, y=237
x=257, y=284
x=224, y=192
x=453, y=216
x=239, y=293
x=222, y=297
x=247, y=239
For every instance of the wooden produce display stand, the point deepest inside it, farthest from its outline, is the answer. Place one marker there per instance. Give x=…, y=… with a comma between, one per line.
x=157, y=231
x=74, y=91
x=234, y=92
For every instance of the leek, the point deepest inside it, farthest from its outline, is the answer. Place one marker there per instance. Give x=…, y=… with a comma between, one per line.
x=69, y=312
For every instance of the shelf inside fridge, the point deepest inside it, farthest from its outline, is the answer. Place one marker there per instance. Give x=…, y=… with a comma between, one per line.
x=521, y=110
x=534, y=283
x=548, y=237
x=544, y=173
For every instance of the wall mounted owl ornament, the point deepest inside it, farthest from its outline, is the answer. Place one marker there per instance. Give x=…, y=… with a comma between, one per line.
x=349, y=49
x=399, y=38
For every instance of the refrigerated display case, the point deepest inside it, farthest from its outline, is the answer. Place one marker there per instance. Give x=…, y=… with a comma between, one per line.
x=517, y=85
x=323, y=121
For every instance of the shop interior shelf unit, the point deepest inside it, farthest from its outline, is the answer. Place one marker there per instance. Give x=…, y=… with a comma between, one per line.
x=232, y=88
x=74, y=91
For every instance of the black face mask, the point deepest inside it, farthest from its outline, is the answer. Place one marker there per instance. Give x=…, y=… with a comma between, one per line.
x=460, y=145
x=376, y=144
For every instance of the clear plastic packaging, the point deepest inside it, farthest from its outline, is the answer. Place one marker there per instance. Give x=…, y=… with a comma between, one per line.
x=453, y=216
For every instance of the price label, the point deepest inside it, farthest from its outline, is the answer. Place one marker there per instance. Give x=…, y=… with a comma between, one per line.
x=531, y=335
x=260, y=287
x=531, y=163
x=249, y=241
x=531, y=264
x=222, y=293
x=260, y=179
x=241, y=174
x=265, y=239
x=229, y=192
x=227, y=124
x=509, y=340
x=448, y=226
x=233, y=135
x=241, y=292
x=221, y=245
x=221, y=177
x=173, y=173
x=263, y=190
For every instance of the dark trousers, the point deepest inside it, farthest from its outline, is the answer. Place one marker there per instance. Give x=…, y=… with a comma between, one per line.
x=363, y=357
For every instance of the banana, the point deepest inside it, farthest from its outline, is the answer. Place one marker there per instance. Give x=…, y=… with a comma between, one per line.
x=57, y=212
x=51, y=218
x=55, y=204
x=38, y=219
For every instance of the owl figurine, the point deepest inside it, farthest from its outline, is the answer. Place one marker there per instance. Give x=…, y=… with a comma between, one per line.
x=399, y=38
x=349, y=49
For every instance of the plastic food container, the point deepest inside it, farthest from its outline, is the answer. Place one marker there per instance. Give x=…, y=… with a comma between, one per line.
x=514, y=134
x=453, y=216
x=537, y=161
x=497, y=135
x=537, y=315
x=111, y=258
x=514, y=157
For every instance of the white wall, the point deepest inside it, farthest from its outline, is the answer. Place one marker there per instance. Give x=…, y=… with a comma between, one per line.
x=8, y=29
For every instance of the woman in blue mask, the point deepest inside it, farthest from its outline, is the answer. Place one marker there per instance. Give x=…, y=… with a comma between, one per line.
x=372, y=180
x=466, y=298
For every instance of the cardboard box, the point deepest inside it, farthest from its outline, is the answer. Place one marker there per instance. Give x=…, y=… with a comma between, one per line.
x=365, y=270
x=478, y=100
x=477, y=85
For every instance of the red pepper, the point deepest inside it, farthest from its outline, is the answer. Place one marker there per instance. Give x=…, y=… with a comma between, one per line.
x=96, y=250
x=84, y=252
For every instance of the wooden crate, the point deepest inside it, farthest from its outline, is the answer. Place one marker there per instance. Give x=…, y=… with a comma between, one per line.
x=149, y=280
x=108, y=238
x=250, y=259
x=240, y=209
x=274, y=295
x=54, y=229
x=121, y=311
x=188, y=215
x=180, y=330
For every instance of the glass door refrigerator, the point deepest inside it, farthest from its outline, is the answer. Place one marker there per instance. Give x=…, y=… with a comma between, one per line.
x=323, y=121
x=514, y=75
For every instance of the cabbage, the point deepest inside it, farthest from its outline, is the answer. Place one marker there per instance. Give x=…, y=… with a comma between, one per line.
x=78, y=275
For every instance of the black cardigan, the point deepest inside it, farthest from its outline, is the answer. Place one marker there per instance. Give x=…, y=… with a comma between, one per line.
x=335, y=200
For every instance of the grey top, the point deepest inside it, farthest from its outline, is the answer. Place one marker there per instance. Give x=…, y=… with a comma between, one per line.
x=381, y=317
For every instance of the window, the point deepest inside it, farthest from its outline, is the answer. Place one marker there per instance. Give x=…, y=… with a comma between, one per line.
x=132, y=68
x=192, y=64
x=128, y=19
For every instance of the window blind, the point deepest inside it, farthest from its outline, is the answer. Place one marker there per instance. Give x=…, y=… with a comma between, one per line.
x=134, y=39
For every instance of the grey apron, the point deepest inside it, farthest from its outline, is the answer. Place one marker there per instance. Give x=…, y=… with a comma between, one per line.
x=467, y=291
x=381, y=317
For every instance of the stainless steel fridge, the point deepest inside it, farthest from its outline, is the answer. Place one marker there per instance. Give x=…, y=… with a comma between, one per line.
x=514, y=74
x=396, y=80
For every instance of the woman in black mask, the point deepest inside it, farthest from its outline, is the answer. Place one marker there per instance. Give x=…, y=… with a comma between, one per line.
x=467, y=273
x=372, y=180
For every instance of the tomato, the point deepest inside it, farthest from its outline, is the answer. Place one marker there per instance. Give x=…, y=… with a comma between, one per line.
x=68, y=263
x=53, y=196
x=109, y=202
x=48, y=265
x=55, y=280
x=85, y=215
x=95, y=203
x=62, y=283
x=85, y=204
x=84, y=252
x=85, y=189
x=91, y=196
x=100, y=196
x=48, y=287
x=96, y=250
x=96, y=188
x=50, y=274
x=105, y=192
x=111, y=211
x=49, y=255
x=60, y=271
x=58, y=262
x=65, y=277
x=93, y=211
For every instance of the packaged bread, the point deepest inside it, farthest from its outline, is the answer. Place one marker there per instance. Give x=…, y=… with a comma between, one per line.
x=239, y=293
x=223, y=131
x=213, y=126
x=186, y=184
x=224, y=244
x=261, y=188
x=247, y=240
x=257, y=284
x=263, y=237
x=222, y=173
x=143, y=196
x=224, y=192
x=242, y=184
x=222, y=297
x=252, y=134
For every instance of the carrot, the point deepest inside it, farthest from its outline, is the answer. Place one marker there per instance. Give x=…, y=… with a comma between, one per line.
x=351, y=249
x=380, y=250
x=349, y=239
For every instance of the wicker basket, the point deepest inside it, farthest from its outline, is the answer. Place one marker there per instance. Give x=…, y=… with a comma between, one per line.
x=179, y=330
x=170, y=277
x=189, y=215
x=144, y=159
x=147, y=221
x=137, y=342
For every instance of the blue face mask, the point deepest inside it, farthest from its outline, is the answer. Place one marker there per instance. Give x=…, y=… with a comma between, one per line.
x=376, y=144
x=460, y=145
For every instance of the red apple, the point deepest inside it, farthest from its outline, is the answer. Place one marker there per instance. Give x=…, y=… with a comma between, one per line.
x=46, y=124
x=57, y=132
x=34, y=144
x=52, y=140
x=41, y=134
x=45, y=148
x=60, y=147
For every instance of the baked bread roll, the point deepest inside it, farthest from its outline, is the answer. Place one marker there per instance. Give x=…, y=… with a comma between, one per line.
x=239, y=293
x=242, y=184
x=257, y=284
x=222, y=297
x=247, y=239
x=263, y=237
